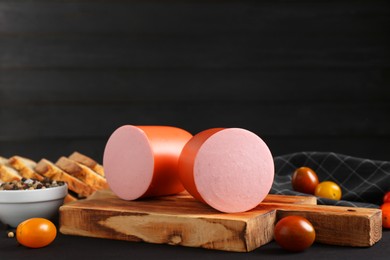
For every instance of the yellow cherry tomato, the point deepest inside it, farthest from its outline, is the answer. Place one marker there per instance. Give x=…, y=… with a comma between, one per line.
x=36, y=232
x=329, y=190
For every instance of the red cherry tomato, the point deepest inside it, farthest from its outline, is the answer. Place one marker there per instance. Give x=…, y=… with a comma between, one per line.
x=36, y=232
x=386, y=219
x=294, y=233
x=385, y=206
x=304, y=180
x=329, y=190
x=386, y=198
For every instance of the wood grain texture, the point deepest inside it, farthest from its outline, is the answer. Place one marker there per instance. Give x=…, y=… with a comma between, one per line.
x=173, y=52
x=284, y=120
x=23, y=87
x=165, y=34
x=181, y=220
x=164, y=17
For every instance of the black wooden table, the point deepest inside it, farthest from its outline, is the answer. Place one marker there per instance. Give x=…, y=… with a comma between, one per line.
x=68, y=247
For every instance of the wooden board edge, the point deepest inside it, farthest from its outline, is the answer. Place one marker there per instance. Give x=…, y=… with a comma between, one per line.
x=227, y=235
x=357, y=227
x=260, y=230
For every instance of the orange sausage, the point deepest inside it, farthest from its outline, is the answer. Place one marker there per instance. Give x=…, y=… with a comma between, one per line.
x=230, y=169
x=142, y=161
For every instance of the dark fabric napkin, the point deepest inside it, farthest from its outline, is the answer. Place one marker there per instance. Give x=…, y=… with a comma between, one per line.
x=363, y=181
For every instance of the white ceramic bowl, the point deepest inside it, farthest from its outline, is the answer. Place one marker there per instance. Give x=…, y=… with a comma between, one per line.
x=19, y=205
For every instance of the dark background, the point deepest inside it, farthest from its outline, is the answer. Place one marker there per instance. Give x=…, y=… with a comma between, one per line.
x=303, y=75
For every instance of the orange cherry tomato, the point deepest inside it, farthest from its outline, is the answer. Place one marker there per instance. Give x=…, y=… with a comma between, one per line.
x=294, y=233
x=304, y=180
x=36, y=232
x=329, y=190
x=386, y=198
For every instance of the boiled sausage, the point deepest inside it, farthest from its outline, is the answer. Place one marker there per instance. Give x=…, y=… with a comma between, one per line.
x=142, y=161
x=230, y=169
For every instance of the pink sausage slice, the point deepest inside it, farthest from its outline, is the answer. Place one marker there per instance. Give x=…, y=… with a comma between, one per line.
x=231, y=169
x=142, y=161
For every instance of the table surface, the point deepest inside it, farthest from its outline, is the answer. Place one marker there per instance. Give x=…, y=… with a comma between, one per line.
x=66, y=247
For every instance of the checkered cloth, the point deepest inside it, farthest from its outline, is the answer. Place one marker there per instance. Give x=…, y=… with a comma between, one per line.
x=363, y=182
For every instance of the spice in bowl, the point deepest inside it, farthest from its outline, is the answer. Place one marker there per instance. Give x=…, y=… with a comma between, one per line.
x=30, y=198
x=30, y=184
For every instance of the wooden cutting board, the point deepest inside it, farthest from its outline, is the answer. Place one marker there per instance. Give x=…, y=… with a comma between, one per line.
x=181, y=220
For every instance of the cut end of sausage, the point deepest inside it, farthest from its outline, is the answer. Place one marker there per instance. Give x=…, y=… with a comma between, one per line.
x=128, y=162
x=233, y=170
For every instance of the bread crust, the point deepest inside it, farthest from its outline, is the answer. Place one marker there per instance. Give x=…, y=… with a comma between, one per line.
x=87, y=161
x=83, y=173
x=53, y=172
x=7, y=172
x=25, y=167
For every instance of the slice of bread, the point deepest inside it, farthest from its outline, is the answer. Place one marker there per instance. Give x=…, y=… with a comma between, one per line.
x=7, y=173
x=87, y=161
x=3, y=160
x=51, y=171
x=69, y=198
x=83, y=173
x=25, y=167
